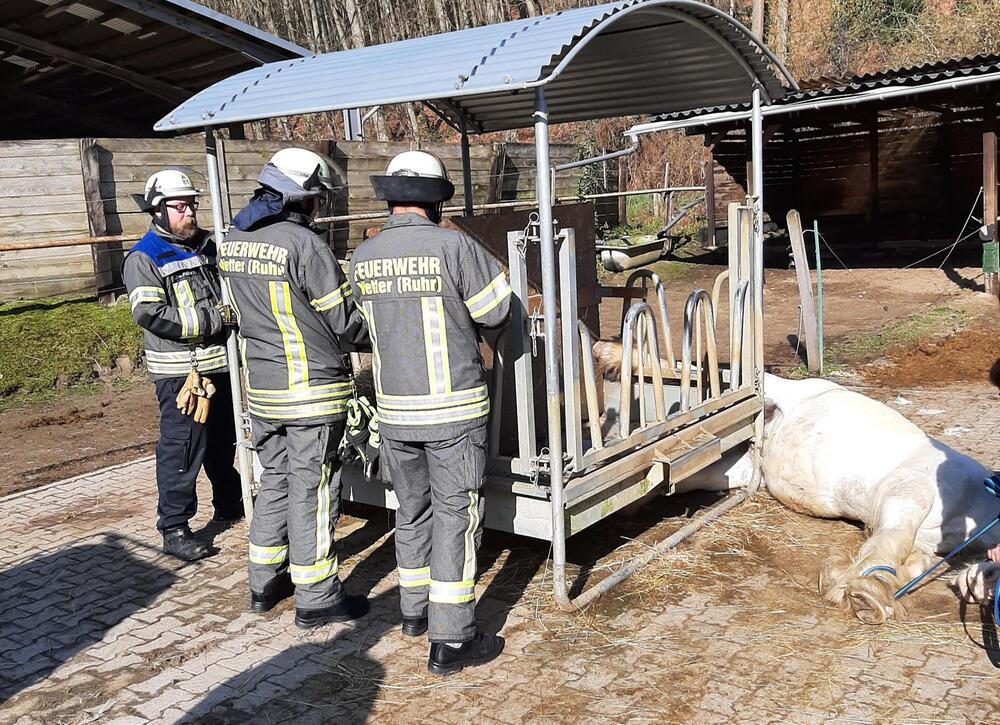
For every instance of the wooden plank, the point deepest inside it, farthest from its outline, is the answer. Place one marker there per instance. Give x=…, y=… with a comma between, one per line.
x=44, y=186
x=806, y=298
x=32, y=149
x=39, y=166
x=107, y=258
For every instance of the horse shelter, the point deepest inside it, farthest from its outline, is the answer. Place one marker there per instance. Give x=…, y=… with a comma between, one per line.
x=573, y=451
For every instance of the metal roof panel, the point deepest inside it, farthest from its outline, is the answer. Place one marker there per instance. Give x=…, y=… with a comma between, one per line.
x=462, y=68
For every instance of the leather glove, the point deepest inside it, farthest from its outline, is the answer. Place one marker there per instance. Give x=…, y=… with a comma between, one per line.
x=203, y=393
x=186, y=402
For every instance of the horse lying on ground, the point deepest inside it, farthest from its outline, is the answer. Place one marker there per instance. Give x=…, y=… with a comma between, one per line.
x=834, y=453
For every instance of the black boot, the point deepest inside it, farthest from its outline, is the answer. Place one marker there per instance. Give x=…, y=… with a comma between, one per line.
x=447, y=660
x=277, y=589
x=180, y=542
x=414, y=626
x=227, y=518
x=348, y=608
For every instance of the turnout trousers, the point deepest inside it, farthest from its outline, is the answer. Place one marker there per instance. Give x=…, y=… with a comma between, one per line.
x=296, y=510
x=185, y=447
x=439, y=525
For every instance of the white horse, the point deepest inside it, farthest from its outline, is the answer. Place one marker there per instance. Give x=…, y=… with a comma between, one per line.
x=834, y=453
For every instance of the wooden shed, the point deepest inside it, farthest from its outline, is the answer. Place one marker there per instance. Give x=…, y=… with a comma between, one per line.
x=893, y=165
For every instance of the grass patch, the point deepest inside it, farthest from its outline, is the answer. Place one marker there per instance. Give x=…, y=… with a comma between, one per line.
x=53, y=343
x=841, y=355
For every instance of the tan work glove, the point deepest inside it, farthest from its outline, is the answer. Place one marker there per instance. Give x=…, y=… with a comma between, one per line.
x=186, y=402
x=203, y=393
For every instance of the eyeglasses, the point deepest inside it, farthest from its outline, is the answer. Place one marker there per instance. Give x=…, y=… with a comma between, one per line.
x=182, y=206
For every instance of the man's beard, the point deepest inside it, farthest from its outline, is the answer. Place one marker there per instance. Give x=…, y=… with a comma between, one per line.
x=186, y=229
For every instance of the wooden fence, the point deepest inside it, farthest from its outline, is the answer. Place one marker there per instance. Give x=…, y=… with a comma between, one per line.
x=66, y=189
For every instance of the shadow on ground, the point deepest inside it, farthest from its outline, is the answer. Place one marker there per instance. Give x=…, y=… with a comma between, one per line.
x=56, y=605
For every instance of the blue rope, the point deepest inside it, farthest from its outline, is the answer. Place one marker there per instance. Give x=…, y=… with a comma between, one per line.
x=992, y=485
x=996, y=605
x=880, y=567
x=909, y=586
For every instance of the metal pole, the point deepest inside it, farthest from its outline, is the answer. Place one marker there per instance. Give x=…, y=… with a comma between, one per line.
x=466, y=171
x=757, y=198
x=543, y=192
x=819, y=294
x=242, y=450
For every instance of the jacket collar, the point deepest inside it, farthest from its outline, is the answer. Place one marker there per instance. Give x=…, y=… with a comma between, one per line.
x=407, y=220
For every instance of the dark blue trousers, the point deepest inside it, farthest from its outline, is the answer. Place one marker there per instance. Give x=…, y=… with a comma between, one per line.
x=185, y=447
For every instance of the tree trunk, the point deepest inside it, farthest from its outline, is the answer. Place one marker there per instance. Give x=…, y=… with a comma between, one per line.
x=757, y=19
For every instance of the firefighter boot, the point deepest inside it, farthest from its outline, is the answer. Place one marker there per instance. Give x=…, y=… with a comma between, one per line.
x=414, y=626
x=276, y=590
x=180, y=542
x=446, y=659
x=348, y=608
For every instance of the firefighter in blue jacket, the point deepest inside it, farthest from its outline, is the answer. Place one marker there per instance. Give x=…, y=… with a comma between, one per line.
x=173, y=288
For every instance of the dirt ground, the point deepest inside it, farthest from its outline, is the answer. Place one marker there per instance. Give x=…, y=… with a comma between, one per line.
x=57, y=440
x=53, y=441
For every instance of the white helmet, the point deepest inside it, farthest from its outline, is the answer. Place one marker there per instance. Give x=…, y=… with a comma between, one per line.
x=414, y=176
x=417, y=163
x=169, y=183
x=306, y=168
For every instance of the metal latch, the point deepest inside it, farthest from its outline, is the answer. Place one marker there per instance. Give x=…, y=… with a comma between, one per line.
x=536, y=330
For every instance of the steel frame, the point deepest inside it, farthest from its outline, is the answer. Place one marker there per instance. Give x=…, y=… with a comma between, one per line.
x=572, y=485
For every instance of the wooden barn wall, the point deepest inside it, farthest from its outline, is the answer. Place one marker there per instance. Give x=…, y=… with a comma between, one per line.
x=43, y=198
x=81, y=187
x=929, y=171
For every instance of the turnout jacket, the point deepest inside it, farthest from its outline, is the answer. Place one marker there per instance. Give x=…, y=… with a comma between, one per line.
x=423, y=290
x=295, y=310
x=173, y=290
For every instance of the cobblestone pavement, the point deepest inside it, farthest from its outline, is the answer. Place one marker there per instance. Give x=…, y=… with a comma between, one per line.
x=96, y=625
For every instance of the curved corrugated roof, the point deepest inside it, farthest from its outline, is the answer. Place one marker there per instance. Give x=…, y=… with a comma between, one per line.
x=622, y=58
x=826, y=87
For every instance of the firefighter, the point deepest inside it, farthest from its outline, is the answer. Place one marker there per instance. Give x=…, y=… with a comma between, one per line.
x=424, y=291
x=296, y=317
x=173, y=288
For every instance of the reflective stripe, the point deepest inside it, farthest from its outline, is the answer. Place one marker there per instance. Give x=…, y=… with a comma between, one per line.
x=146, y=294
x=328, y=302
x=414, y=577
x=268, y=554
x=307, y=402
x=465, y=590
x=323, y=514
x=313, y=573
x=471, y=411
x=190, y=326
x=452, y=592
x=436, y=345
x=369, y=315
x=311, y=393
x=297, y=411
x=426, y=402
x=291, y=337
x=489, y=297
x=178, y=362
x=173, y=267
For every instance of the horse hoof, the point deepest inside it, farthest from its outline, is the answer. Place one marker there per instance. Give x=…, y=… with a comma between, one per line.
x=868, y=609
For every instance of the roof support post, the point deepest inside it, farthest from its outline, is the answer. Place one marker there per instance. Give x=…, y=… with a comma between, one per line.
x=543, y=192
x=990, y=197
x=757, y=283
x=218, y=226
x=466, y=170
